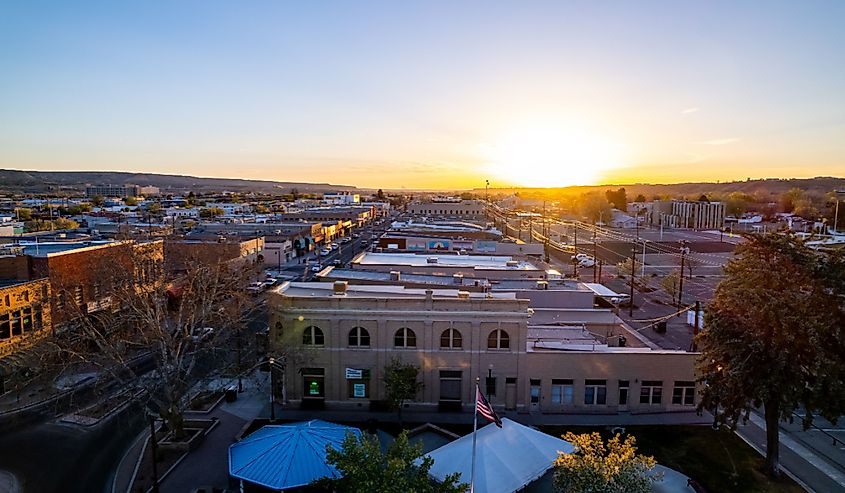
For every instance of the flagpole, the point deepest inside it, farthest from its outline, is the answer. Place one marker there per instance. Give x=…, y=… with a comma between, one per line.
x=474, y=428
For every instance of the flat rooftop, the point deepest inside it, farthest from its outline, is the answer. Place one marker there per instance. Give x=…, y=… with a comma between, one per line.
x=45, y=248
x=326, y=290
x=336, y=274
x=487, y=262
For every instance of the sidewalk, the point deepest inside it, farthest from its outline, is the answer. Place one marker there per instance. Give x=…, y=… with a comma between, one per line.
x=809, y=468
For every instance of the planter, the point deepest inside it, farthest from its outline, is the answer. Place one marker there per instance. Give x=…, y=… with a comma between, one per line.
x=195, y=432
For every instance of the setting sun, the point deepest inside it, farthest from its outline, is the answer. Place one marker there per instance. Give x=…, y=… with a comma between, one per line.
x=551, y=156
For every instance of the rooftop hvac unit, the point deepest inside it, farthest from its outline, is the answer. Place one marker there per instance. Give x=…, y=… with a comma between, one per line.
x=512, y=263
x=464, y=295
x=395, y=275
x=431, y=260
x=340, y=287
x=458, y=278
x=542, y=285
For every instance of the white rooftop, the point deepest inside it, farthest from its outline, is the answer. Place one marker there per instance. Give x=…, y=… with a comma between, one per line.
x=326, y=290
x=498, y=262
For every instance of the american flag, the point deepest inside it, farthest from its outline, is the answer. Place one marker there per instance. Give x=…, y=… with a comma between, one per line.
x=485, y=409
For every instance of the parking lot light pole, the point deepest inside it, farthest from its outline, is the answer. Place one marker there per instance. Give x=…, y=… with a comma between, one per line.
x=684, y=251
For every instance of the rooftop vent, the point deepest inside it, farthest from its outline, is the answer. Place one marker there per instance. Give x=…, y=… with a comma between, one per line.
x=395, y=275
x=463, y=295
x=512, y=263
x=340, y=287
x=431, y=260
x=458, y=278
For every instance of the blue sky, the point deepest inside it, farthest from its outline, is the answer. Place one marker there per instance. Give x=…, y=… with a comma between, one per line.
x=392, y=94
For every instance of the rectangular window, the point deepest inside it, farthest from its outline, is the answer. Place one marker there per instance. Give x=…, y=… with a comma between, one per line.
x=651, y=392
x=535, y=391
x=684, y=393
x=5, y=327
x=562, y=391
x=17, y=328
x=450, y=385
x=77, y=295
x=595, y=392
x=490, y=383
x=26, y=319
x=358, y=388
x=623, y=392
x=313, y=383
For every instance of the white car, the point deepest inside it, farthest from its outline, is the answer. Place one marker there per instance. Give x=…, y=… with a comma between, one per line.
x=316, y=268
x=334, y=246
x=325, y=252
x=255, y=287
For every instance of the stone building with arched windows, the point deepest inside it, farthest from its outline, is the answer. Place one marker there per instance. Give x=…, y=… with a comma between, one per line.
x=342, y=336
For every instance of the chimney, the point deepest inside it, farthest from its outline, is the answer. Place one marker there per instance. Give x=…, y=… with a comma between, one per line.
x=395, y=275
x=340, y=287
x=463, y=295
x=458, y=278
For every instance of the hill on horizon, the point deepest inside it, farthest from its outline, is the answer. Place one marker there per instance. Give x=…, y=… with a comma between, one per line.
x=772, y=186
x=51, y=181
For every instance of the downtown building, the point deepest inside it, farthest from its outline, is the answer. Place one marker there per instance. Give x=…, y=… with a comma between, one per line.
x=687, y=214
x=335, y=340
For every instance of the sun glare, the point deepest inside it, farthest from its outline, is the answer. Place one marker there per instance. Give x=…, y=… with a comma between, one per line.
x=551, y=157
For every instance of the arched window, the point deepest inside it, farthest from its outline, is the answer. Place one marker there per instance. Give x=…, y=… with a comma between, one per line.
x=405, y=337
x=313, y=336
x=498, y=339
x=451, y=339
x=359, y=337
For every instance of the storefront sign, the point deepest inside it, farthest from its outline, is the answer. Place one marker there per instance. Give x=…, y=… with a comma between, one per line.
x=354, y=374
x=359, y=390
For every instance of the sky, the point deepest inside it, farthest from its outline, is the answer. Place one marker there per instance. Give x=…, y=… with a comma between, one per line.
x=426, y=94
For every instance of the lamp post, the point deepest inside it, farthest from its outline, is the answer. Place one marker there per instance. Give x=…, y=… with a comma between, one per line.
x=272, y=389
x=838, y=195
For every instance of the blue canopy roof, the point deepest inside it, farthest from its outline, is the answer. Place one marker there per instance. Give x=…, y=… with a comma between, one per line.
x=287, y=456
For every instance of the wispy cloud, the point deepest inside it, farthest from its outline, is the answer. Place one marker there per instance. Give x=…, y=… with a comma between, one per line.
x=690, y=110
x=720, y=142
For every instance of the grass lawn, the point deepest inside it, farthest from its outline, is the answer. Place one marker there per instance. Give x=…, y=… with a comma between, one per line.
x=719, y=460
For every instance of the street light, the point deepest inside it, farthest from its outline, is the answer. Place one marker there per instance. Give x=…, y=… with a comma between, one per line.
x=684, y=252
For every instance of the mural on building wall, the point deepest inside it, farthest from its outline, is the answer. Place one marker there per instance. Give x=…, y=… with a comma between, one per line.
x=485, y=246
x=416, y=245
x=438, y=245
x=462, y=245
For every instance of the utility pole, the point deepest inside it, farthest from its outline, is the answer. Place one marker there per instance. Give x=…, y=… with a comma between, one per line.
x=595, y=257
x=684, y=251
x=575, y=260
x=695, y=325
x=487, y=199
x=154, y=448
x=642, y=274
x=633, y=273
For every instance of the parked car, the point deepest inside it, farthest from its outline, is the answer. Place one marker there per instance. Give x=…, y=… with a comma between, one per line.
x=255, y=287
x=325, y=252
x=335, y=246
x=346, y=239
x=337, y=261
x=316, y=268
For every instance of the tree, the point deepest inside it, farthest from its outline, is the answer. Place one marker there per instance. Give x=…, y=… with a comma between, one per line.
x=775, y=337
x=380, y=195
x=191, y=199
x=130, y=201
x=261, y=209
x=691, y=263
x=629, y=267
x=640, y=198
x=594, y=207
x=182, y=324
x=400, y=383
x=211, y=212
x=23, y=214
x=703, y=198
x=671, y=283
x=598, y=468
x=618, y=198
x=98, y=200
x=401, y=469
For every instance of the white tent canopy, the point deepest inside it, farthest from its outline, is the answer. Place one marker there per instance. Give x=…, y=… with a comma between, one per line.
x=507, y=459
